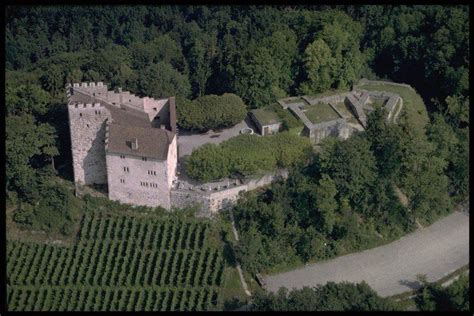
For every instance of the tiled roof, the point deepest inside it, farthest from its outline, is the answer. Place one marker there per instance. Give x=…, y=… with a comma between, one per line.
x=152, y=142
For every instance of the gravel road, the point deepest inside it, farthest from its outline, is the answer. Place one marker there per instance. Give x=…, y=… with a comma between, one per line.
x=436, y=251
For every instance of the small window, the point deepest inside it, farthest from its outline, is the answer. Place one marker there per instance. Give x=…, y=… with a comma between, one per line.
x=113, y=103
x=88, y=126
x=84, y=105
x=126, y=169
x=144, y=158
x=80, y=114
x=122, y=180
x=122, y=156
x=99, y=111
x=75, y=105
x=130, y=100
x=155, y=109
x=93, y=94
x=154, y=173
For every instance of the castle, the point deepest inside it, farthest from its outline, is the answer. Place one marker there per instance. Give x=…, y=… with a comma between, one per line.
x=123, y=141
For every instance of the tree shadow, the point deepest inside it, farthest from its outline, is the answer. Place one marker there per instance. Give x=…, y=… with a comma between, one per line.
x=414, y=285
x=228, y=251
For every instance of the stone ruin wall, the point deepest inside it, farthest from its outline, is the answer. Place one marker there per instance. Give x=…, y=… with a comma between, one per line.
x=87, y=129
x=209, y=202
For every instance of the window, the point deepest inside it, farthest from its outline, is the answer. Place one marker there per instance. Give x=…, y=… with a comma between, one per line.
x=122, y=180
x=144, y=158
x=130, y=100
x=122, y=156
x=80, y=114
x=126, y=169
x=155, y=109
x=93, y=94
x=151, y=173
x=88, y=125
x=84, y=105
x=75, y=105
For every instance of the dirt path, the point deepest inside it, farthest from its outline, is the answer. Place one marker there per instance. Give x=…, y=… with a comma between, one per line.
x=436, y=251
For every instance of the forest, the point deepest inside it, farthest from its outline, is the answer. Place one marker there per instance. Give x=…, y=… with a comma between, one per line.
x=346, y=197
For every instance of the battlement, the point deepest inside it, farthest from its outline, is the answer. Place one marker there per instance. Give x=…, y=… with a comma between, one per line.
x=92, y=85
x=87, y=106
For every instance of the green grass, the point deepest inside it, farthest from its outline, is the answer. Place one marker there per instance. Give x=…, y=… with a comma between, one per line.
x=378, y=103
x=320, y=113
x=412, y=102
x=266, y=116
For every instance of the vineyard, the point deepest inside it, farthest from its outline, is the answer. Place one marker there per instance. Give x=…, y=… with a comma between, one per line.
x=120, y=263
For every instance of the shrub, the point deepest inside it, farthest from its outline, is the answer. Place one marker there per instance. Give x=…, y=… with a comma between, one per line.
x=210, y=112
x=246, y=155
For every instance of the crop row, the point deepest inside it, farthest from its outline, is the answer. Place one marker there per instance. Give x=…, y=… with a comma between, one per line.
x=22, y=298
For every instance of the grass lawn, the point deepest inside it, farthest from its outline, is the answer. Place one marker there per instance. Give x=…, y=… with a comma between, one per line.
x=266, y=116
x=412, y=102
x=342, y=107
x=320, y=113
x=378, y=103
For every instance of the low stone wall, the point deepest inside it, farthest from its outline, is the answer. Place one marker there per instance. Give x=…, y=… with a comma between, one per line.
x=365, y=81
x=337, y=98
x=210, y=202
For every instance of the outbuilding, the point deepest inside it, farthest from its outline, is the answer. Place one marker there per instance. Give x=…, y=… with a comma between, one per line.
x=266, y=121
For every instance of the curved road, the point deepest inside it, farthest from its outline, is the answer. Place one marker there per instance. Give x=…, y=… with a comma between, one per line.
x=436, y=251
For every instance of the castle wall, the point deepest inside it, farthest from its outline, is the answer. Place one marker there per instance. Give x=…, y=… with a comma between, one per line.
x=172, y=161
x=210, y=202
x=87, y=129
x=133, y=190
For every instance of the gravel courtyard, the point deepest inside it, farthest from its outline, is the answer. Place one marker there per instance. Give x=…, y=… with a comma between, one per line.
x=436, y=251
x=187, y=142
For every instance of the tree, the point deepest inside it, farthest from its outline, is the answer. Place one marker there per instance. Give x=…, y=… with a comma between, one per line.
x=27, y=143
x=326, y=203
x=319, y=67
x=342, y=296
x=257, y=77
x=351, y=165
x=161, y=80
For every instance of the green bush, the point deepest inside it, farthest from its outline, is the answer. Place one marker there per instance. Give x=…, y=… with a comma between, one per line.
x=55, y=211
x=210, y=112
x=246, y=155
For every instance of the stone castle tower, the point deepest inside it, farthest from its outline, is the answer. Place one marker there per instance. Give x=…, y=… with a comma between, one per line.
x=124, y=141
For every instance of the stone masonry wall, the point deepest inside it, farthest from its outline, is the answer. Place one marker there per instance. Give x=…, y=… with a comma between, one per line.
x=87, y=128
x=210, y=202
x=172, y=161
x=132, y=190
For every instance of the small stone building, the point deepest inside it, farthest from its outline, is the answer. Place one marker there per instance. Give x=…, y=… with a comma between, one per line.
x=123, y=141
x=266, y=121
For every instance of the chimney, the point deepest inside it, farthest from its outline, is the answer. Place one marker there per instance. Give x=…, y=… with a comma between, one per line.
x=134, y=143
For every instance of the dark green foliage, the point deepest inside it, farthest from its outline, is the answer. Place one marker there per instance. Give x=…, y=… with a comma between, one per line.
x=210, y=112
x=343, y=296
x=54, y=210
x=246, y=155
x=434, y=297
x=351, y=165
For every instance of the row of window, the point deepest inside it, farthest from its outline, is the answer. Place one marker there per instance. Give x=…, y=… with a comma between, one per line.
x=148, y=184
x=150, y=172
x=123, y=157
x=96, y=112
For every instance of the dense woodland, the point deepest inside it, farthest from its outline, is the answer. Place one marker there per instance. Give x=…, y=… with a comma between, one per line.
x=344, y=200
